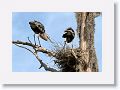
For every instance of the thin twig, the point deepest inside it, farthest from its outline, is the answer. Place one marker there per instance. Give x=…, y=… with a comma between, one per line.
x=29, y=40
x=73, y=53
x=25, y=48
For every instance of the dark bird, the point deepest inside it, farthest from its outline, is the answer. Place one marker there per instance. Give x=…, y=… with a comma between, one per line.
x=69, y=35
x=39, y=29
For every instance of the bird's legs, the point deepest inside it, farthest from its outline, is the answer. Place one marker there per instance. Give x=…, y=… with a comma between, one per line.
x=39, y=41
x=34, y=39
x=72, y=45
x=64, y=44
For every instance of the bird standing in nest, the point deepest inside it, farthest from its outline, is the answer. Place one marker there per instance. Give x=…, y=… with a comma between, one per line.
x=69, y=35
x=39, y=29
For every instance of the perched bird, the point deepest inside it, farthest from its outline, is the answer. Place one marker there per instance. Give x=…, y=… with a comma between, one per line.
x=69, y=35
x=39, y=29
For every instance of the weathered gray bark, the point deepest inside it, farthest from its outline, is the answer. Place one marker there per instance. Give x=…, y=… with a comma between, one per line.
x=86, y=30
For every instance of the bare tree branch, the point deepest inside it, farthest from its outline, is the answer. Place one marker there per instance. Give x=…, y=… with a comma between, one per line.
x=25, y=48
x=35, y=54
x=36, y=47
x=44, y=65
x=23, y=43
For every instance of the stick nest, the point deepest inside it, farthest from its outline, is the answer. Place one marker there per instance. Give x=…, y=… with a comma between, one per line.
x=65, y=60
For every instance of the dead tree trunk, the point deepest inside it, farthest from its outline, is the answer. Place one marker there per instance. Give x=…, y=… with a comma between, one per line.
x=86, y=30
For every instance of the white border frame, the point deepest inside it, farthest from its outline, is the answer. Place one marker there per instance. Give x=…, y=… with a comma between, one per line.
x=104, y=77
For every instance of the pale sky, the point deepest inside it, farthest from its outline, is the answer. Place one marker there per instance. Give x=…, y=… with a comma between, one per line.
x=55, y=24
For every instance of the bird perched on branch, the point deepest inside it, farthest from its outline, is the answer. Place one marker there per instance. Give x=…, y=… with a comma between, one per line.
x=39, y=29
x=69, y=35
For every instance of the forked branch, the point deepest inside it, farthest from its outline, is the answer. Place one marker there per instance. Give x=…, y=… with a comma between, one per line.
x=37, y=49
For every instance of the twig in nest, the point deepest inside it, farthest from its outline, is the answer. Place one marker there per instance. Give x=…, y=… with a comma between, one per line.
x=73, y=53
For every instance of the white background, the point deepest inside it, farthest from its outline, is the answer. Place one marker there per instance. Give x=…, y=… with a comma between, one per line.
x=85, y=87
x=104, y=77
